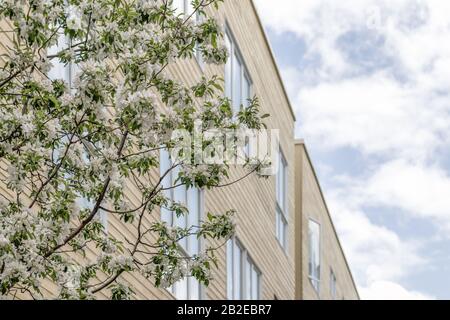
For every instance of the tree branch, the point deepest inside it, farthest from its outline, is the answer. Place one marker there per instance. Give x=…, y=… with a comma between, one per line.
x=96, y=207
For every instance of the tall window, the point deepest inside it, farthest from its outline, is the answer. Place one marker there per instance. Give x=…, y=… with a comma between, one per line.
x=333, y=285
x=198, y=51
x=188, y=288
x=66, y=72
x=243, y=277
x=183, y=7
x=60, y=70
x=237, y=79
x=281, y=206
x=314, y=254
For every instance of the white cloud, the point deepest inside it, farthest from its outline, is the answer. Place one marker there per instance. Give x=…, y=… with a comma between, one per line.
x=421, y=191
x=375, y=252
x=291, y=76
x=379, y=258
x=374, y=114
x=404, y=24
x=375, y=77
x=418, y=189
x=338, y=104
x=386, y=290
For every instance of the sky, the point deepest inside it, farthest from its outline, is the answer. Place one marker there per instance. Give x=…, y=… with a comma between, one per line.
x=369, y=81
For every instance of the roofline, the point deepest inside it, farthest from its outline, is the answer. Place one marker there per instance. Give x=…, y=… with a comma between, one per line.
x=301, y=142
x=272, y=55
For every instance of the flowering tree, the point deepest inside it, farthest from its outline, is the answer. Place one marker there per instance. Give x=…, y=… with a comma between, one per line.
x=71, y=148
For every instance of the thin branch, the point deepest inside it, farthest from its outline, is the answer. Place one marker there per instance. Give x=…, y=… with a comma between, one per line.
x=58, y=166
x=96, y=207
x=237, y=180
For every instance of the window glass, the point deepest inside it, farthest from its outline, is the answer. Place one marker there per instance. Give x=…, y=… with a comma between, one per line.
x=228, y=68
x=193, y=289
x=281, y=208
x=180, y=289
x=230, y=269
x=164, y=166
x=245, y=91
x=187, y=288
x=248, y=279
x=237, y=82
x=243, y=277
x=58, y=69
x=255, y=283
x=277, y=224
x=84, y=203
x=281, y=182
x=314, y=253
x=189, y=8
x=333, y=285
x=237, y=79
x=178, y=5
x=193, y=195
x=237, y=272
x=73, y=71
x=198, y=52
x=281, y=226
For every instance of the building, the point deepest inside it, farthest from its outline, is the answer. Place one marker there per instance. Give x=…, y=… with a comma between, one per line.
x=269, y=255
x=322, y=271
x=246, y=270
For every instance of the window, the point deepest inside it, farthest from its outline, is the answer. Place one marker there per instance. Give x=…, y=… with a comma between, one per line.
x=60, y=70
x=314, y=254
x=183, y=7
x=243, y=277
x=198, y=51
x=188, y=288
x=237, y=79
x=237, y=82
x=66, y=72
x=101, y=216
x=281, y=205
x=332, y=285
x=84, y=203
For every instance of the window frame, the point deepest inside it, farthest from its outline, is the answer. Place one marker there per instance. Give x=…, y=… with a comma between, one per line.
x=234, y=51
x=235, y=54
x=315, y=281
x=246, y=283
x=180, y=10
x=186, y=11
x=198, y=53
x=186, y=248
x=281, y=209
x=333, y=284
x=68, y=71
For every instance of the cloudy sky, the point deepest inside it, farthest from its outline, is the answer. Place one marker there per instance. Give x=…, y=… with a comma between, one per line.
x=370, y=83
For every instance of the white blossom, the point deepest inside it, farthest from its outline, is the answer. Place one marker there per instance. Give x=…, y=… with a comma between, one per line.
x=3, y=241
x=53, y=126
x=120, y=262
x=73, y=18
x=14, y=178
x=116, y=180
